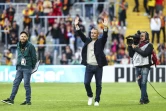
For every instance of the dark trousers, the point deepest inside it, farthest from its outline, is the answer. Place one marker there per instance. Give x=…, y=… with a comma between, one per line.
x=145, y=6
x=22, y=73
x=136, y=8
x=41, y=54
x=158, y=36
x=151, y=11
x=163, y=29
x=90, y=71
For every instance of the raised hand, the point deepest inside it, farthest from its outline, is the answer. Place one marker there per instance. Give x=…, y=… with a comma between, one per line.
x=105, y=23
x=76, y=21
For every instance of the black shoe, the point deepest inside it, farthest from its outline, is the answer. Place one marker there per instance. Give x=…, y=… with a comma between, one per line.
x=141, y=102
x=146, y=101
x=26, y=103
x=8, y=101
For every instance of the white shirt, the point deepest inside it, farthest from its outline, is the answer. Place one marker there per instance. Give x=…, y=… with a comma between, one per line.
x=91, y=59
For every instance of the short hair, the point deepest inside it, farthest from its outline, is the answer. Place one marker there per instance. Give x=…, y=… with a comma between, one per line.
x=24, y=32
x=95, y=29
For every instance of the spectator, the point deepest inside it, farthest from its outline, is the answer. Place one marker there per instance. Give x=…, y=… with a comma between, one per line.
x=69, y=19
x=100, y=6
x=125, y=60
x=48, y=60
x=69, y=53
x=3, y=16
x=163, y=23
x=27, y=21
x=10, y=13
x=55, y=33
x=31, y=6
x=41, y=41
x=40, y=6
x=70, y=34
x=64, y=60
x=115, y=29
x=89, y=9
x=151, y=5
x=47, y=5
x=8, y=55
x=159, y=5
x=13, y=41
x=122, y=12
x=66, y=7
x=57, y=5
x=145, y=7
x=111, y=10
x=15, y=28
x=37, y=20
x=114, y=46
x=136, y=8
x=6, y=33
x=155, y=25
x=51, y=20
x=63, y=33
x=78, y=55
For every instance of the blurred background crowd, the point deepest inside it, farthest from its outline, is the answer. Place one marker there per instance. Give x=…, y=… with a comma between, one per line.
x=50, y=27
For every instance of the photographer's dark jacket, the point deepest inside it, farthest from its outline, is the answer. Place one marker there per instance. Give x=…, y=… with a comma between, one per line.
x=29, y=53
x=98, y=48
x=145, y=54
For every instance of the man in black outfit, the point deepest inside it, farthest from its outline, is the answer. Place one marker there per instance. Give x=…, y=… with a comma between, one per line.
x=93, y=58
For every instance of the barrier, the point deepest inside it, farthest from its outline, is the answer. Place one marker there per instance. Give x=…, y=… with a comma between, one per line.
x=75, y=73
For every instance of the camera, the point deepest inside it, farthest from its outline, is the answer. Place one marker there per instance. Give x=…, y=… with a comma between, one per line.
x=133, y=39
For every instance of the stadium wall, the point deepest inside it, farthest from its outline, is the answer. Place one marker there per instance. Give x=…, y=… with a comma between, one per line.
x=75, y=73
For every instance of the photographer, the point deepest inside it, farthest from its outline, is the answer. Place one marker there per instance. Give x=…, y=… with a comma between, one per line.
x=141, y=55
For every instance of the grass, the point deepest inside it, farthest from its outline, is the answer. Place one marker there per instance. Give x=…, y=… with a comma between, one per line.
x=72, y=97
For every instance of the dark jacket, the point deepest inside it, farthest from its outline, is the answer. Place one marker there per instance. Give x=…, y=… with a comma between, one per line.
x=29, y=54
x=98, y=48
x=147, y=52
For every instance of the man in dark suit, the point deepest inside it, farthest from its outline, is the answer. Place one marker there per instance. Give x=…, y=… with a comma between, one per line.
x=93, y=58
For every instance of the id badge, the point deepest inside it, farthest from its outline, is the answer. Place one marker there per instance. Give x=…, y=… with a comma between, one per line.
x=23, y=61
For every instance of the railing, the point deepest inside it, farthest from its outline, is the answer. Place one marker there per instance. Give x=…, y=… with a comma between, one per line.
x=53, y=51
x=46, y=21
x=82, y=7
x=15, y=5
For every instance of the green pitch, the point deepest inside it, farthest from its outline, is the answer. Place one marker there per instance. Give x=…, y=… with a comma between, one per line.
x=72, y=97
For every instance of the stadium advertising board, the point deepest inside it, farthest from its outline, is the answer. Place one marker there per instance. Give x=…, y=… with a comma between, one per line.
x=68, y=73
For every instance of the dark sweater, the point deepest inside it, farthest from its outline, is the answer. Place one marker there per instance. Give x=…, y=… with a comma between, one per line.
x=98, y=48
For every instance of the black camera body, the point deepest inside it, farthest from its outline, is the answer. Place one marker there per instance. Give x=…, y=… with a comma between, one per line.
x=133, y=39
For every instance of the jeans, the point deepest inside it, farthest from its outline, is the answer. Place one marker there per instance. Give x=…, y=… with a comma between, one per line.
x=142, y=81
x=56, y=41
x=90, y=71
x=22, y=73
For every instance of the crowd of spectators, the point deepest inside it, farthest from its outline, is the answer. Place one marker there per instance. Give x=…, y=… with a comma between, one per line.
x=62, y=31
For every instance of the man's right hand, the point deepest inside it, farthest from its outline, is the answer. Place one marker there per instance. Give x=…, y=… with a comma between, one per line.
x=76, y=21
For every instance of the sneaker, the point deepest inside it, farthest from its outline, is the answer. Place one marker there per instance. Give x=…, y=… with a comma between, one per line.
x=96, y=103
x=26, y=103
x=90, y=100
x=8, y=101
